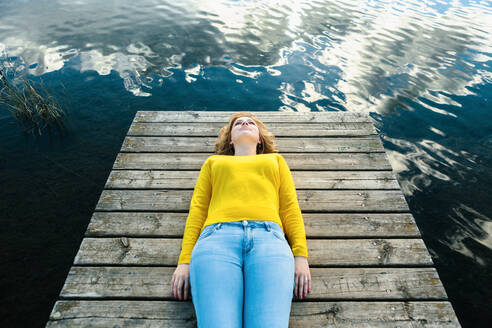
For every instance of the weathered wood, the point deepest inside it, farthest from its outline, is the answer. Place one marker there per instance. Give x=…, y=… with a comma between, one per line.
x=309, y=200
x=316, y=224
x=315, y=161
x=206, y=144
x=341, y=314
x=370, y=251
x=264, y=116
x=331, y=252
x=211, y=129
x=138, y=179
x=327, y=283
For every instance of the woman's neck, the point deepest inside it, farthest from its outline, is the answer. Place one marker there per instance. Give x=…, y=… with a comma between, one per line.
x=244, y=150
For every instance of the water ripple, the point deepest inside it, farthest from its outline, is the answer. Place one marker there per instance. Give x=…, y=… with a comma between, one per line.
x=419, y=67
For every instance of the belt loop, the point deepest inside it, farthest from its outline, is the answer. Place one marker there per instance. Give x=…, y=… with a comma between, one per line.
x=218, y=225
x=267, y=226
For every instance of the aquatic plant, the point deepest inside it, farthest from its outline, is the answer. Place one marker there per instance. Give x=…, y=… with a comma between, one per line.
x=31, y=104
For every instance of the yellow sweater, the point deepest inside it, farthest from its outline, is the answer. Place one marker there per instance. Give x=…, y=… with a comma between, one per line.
x=245, y=187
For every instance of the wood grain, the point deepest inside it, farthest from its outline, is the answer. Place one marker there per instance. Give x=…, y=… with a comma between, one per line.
x=322, y=252
x=309, y=200
x=339, y=314
x=319, y=225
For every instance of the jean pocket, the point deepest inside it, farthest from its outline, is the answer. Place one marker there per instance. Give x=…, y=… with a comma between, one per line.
x=279, y=234
x=207, y=232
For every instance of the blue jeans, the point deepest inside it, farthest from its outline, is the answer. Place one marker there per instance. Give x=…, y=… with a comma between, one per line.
x=242, y=275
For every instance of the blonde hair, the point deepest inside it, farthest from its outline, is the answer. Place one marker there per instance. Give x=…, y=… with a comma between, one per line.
x=267, y=138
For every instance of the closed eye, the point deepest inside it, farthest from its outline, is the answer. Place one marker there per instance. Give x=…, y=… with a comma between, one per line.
x=250, y=122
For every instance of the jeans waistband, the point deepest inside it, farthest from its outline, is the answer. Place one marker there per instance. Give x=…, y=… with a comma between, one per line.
x=268, y=225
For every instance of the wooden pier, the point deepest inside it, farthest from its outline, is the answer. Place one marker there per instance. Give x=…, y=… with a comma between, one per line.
x=369, y=265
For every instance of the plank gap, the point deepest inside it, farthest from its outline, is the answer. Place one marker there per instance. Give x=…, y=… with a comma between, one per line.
x=331, y=266
x=154, y=236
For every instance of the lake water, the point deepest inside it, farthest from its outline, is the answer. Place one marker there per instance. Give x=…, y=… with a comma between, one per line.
x=421, y=68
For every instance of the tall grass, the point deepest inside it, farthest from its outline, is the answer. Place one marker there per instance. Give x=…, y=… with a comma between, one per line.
x=31, y=104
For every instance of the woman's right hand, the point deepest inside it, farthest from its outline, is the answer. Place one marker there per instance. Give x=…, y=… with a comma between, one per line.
x=180, y=283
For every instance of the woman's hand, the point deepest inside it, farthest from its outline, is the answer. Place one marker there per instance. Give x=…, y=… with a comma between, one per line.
x=302, y=286
x=180, y=283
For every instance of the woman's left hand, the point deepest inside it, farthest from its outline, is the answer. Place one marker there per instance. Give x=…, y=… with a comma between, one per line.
x=302, y=277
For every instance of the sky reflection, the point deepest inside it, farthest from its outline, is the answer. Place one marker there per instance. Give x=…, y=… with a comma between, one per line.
x=422, y=69
x=384, y=50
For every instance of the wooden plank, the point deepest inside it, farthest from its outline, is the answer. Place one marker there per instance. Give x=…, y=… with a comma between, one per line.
x=211, y=129
x=327, y=283
x=145, y=224
x=313, y=161
x=341, y=314
x=309, y=200
x=140, y=179
x=370, y=263
x=206, y=144
x=326, y=252
x=264, y=116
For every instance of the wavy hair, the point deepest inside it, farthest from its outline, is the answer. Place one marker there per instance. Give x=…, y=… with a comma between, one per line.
x=267, y=138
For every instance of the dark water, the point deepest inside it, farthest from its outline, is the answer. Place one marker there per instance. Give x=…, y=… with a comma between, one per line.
x=421, y=68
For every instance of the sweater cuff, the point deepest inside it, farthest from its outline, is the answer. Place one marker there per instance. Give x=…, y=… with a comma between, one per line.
x=300, y=251
x=184, y=259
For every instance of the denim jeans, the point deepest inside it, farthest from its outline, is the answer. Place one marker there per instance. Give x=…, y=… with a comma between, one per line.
x=242, y=275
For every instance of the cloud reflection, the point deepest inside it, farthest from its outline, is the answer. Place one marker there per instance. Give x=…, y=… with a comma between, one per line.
x=320, y=55
x=384, y=50
x=469, y=224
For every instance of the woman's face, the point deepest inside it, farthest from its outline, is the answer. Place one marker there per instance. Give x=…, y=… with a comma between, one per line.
x=244, y=129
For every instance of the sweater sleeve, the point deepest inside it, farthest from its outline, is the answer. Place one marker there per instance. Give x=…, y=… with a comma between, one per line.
x=290, y=212
x=197, y=213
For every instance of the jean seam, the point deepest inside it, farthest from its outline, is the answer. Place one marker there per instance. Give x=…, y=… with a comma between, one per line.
x=208, y=234
x=277, y=235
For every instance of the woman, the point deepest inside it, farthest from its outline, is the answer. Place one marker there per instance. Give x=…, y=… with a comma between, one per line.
x=235, y=257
